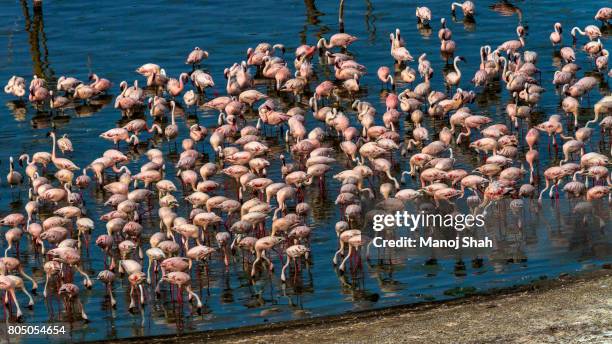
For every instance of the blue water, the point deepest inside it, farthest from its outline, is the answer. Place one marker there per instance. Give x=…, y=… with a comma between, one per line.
x=112, y=39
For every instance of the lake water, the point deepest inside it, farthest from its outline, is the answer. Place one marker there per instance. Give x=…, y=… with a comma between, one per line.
x=113, y=38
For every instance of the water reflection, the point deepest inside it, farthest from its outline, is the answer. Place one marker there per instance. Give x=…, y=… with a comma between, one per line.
x=505, y=8
x=312, y=18
x=45, y=117
x=37, y=38
x=572, y=226
x=424, y=29
x=469, y=23
x=341, y=16
x=370, y=21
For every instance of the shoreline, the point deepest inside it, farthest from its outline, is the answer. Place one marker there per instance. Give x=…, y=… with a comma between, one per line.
x=565, y=309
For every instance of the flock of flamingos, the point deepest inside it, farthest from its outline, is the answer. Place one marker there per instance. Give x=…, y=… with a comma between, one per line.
x=270, y=215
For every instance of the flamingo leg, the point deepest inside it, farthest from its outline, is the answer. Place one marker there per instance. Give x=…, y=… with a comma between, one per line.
x=19, y=314
x=83, y=314
x=87, y=281
x=285, y=268
x=112, y=298
x=190, y=291
x=342, y=265
x=34, y=284
x=31, y=302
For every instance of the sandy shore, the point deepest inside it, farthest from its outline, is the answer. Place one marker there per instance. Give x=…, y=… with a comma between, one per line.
x=565, y=310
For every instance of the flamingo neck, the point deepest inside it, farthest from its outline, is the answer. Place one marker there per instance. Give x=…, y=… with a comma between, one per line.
x=67, y=188
x=172, y=114
x=594, y=120
x=123, y=91
x=316, y=103
x=53, y=150
x=323, y=43
x=577, y=29
x=456, y=67
x=482, y=55
x=393, y=40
